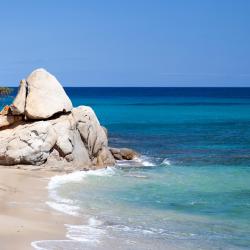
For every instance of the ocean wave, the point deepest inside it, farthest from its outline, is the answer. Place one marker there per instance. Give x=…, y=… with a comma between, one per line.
x=90, y=232
x=59, y=244
x=133, y=230
x=146, y=161
x=69, y=206
x=78, y=176
x=166, y=162
x=78, y=236
x=153, y=232
x=143, y=161
x=64, y=207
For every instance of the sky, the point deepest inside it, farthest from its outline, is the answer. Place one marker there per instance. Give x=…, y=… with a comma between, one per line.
x=127, y=42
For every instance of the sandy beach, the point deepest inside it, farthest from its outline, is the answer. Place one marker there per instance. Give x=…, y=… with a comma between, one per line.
x=24, y=215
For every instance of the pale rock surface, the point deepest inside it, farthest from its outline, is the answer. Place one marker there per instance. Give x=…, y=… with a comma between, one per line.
x=90, y=129
x=18, y=105
x=69, y=143
x=75, y=140
x=27, y=143
x=46, y=97
x=93, y=136
x=104, y=158
x=7, y=120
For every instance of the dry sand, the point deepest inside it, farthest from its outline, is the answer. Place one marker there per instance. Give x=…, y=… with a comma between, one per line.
x=24, y=215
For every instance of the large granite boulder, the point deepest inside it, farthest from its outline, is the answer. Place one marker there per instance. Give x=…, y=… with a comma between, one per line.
x=40, y=96
x=75, y=140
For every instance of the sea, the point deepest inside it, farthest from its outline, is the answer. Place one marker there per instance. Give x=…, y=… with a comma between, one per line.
x=190, y=187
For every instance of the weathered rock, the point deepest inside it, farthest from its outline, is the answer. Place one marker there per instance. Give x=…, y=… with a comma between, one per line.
x=69, y=143
x=106, y=131
x=45, y=96
x=123, y=153
x=74, y=140
x=7, y=120
x=27, y=143
x=104, y=158
x=18, y=105
x=92, y=133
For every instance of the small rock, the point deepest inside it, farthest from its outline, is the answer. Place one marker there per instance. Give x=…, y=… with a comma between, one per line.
x=123, y=153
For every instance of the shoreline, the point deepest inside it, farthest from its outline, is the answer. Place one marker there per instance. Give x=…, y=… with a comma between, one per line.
x=23, y=210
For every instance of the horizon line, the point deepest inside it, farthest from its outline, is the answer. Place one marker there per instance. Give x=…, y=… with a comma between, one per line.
x=144, y=86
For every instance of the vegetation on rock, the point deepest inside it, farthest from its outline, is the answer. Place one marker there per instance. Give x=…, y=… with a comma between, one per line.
x=5, y=91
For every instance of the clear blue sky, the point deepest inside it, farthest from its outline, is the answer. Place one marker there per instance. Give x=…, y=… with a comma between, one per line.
x=127, y=42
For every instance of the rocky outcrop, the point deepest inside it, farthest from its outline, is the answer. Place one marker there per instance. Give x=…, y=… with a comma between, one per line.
x=42, y=129
x=77, y=137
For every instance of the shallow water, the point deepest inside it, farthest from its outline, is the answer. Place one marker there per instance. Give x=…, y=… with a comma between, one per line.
x=189, y=190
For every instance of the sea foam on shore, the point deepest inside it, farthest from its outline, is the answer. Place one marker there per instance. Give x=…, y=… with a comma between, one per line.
x=69, y=206
x=93, y=229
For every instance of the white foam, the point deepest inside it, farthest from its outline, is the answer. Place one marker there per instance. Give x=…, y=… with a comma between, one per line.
x=34, y=244
x=78, y=176
x=57, y=244
x=166, y=162
x=142, y=161
x=134, y=229
x=87, y=233
x=64, y=208
x=69, y=206
x=145, y=161
x=78, y=236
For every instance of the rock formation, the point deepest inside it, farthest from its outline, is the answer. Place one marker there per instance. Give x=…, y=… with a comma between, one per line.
x=40, y=97
x=41, y=128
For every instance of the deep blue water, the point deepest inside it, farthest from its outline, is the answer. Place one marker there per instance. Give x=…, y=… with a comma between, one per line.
x=194, y=192
x=205, y=135
x=192, y=126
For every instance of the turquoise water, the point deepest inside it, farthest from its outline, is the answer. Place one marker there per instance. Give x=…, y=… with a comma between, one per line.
x=191, y=190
